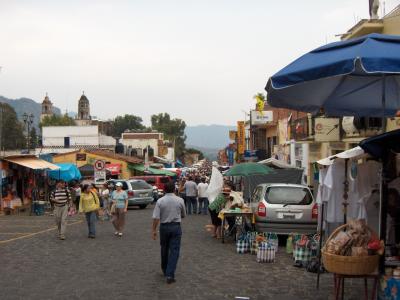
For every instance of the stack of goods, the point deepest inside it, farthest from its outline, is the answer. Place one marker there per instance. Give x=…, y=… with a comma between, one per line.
x=266, y=253
x=264, y=245
x=352, y=249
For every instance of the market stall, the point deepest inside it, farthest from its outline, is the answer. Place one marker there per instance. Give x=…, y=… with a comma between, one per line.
x=24, y=183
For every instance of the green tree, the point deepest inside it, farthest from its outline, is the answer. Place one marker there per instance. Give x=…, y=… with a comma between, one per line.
x=12, y=131
x=57, y=120
x=126, y=122
x=173, y=129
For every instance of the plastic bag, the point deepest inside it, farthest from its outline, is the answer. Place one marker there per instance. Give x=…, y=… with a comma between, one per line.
x=216, y=185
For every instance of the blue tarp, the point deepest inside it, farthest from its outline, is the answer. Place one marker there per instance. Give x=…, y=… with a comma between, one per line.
x=67, y=172
x=347, y=78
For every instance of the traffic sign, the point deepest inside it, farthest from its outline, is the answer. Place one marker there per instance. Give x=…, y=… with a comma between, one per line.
x=99, y=165
x=100, y=177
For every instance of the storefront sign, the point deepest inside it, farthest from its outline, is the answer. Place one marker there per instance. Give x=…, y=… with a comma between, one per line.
x=327, y=129
x=80, y=157
x=258, y=118
x=250, y=155
x=232, y=135
x=241, y=141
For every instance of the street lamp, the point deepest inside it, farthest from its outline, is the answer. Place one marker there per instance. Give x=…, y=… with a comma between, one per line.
x=28, y=121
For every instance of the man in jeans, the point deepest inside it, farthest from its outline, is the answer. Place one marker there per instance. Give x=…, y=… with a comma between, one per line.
x=203, y=199
x=191, y=196
x=61, y=199
x=168, y=212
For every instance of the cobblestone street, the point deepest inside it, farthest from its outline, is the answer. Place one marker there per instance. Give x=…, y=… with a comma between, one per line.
x=36, y=265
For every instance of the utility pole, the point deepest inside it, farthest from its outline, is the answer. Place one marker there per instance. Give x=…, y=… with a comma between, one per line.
x=28, y=121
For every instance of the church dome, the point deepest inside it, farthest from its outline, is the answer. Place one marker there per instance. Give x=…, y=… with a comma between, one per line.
x=83, y=99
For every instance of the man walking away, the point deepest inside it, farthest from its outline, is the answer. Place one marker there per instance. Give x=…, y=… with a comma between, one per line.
x=203, y=200
x=61, y=198
x=191, y=196
x=168, y=212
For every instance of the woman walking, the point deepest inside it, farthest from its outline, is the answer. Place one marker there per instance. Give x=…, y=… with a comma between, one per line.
x=105, y=196
x=89, y=204
x=120, y=200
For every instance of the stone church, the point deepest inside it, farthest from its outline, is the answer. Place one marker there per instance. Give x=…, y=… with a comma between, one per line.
x=83, y=118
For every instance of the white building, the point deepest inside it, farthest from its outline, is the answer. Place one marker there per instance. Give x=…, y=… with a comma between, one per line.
x=79, y=137
x=137, y=142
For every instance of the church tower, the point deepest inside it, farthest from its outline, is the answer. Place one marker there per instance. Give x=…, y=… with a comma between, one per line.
x=83, y=118
x=47, y=108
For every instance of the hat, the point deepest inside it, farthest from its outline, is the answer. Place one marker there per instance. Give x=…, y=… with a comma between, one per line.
x=118, y=184
x=226, y=191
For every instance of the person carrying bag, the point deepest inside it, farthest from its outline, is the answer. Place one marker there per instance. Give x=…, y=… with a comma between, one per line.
x=89, y=204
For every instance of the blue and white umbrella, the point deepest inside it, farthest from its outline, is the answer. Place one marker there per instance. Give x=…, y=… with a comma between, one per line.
x=358, y=77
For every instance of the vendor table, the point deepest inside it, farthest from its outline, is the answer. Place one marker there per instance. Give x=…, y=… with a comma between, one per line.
x=240, y=217
x=339, y=284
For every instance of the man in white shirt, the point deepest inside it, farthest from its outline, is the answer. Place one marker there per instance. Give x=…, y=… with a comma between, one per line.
x=203, y=200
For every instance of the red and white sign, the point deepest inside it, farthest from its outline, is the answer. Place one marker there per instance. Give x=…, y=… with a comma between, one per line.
x=99, y=165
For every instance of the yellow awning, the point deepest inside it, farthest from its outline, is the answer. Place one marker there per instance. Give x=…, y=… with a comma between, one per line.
x=32, y=162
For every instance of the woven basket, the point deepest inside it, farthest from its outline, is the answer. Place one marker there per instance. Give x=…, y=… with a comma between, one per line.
x=349, y=265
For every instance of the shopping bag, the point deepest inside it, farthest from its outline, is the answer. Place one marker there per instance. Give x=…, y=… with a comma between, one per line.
x=266, y=253
x=302, y=254
x=72, y=211
x=273, y=239
x=289, y=245
x=242, y=245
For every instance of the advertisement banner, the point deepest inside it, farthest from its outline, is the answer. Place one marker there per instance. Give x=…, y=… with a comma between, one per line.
x=232, y=135
x=327, y=130
x=241, y=140
x=231, y=157
x=258, y=118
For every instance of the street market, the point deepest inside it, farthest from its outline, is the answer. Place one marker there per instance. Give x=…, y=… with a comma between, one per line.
x=200, y=161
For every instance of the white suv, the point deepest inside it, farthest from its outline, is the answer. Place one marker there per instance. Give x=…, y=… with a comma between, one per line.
x=284, y=209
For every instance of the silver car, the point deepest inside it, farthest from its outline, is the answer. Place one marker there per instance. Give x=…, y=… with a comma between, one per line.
x=284, y=209
x=140, y=193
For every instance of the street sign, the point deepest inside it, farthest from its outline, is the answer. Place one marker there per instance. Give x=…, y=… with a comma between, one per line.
x=99, y=165
x=99, y=177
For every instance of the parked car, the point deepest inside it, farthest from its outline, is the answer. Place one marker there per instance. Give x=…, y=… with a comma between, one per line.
x=140, y=193
x=157, y=181
x=284, y=209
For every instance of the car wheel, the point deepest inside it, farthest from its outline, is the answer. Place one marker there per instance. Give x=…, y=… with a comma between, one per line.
x=142, y=206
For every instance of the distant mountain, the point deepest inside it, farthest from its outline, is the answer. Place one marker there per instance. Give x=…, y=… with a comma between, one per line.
x=26, y=105
x=208, y=136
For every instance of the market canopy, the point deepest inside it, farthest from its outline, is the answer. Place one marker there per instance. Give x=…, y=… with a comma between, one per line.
x=354, y=153
x=381, y=145
x=358, y=77
x=152, y=171
x=66, y=172
x=31, y=162
x=276, y=163
x=247, y=169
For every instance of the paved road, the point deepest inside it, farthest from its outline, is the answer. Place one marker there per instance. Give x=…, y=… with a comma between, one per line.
x=38, y=266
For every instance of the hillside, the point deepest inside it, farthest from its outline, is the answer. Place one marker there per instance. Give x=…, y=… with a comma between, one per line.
x=208, y=136
x=26, y=105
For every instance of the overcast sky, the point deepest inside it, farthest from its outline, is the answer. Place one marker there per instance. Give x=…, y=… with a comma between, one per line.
x=201, y=61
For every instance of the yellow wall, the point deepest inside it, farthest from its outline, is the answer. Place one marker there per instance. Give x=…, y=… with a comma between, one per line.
x=90, y=159
x=391, y=25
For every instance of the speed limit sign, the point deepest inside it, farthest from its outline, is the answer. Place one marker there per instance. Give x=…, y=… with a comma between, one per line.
x=99, y=165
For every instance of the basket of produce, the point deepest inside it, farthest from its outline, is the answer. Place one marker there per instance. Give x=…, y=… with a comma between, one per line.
x=352, y=249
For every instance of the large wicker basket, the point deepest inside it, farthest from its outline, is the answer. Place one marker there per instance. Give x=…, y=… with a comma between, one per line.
x=349, y=265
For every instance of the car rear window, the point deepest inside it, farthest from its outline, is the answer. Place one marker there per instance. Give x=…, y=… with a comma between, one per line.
x=288, y=195
x=140, y=185
x=164, y=179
